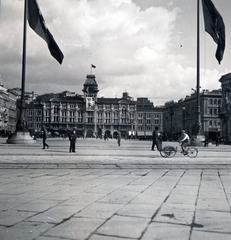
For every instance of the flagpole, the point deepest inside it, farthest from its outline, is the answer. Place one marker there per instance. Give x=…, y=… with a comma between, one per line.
x=196, y=130
x=21, y=135
x=198, y=68
x=21, y=123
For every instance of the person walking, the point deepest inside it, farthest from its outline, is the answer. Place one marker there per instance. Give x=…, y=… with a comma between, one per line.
x=118, y=138
x=217, y=140
x=45, y=133
x=206, y=142
x=72, y=138
x=155, y=139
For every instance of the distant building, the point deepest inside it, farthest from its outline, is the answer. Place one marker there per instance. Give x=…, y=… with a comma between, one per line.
x=8, y=110
x=225, y=108
x=93, y=116
x=183, y=114
x=148, y=117
x=60, y=111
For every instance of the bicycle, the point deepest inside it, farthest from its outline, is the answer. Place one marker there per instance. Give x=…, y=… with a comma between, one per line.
x=170, y=151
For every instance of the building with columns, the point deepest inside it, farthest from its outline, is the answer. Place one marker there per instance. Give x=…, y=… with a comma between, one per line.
x=94, y=116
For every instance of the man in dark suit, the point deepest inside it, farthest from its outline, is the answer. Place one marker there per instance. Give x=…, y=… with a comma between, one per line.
x=72, y=138
x=45, y=133
x=155, y=139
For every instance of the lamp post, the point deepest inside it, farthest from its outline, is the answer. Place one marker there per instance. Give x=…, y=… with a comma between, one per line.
x=183, y=117
x=227, y=92
x=21, y=135
x=171, y=113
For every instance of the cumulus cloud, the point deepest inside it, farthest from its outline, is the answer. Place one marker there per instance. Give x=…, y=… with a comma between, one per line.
x=132, y=48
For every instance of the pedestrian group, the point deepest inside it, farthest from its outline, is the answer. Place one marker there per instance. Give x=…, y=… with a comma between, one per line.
x=184, y=140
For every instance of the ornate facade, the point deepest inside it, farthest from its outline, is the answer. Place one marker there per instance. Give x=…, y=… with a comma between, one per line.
x=96, y=117
x=8, y=111
x=93, y=116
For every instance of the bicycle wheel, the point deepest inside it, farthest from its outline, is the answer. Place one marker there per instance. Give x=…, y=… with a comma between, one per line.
x=192, y=152
x=163, y=153
x=170, y=151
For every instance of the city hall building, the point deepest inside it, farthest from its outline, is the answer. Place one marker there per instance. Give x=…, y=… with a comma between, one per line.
x=93, y=116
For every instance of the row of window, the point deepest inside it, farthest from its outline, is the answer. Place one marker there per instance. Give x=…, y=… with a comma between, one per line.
x=101, y=115
x=102, y=118
x=64, y=106
x=145, y=128
x=215, y=101
x=148, y=121
x=148, y=115
x=214, y=123
x=91, y=120
x=74, y=106
x=213, y=111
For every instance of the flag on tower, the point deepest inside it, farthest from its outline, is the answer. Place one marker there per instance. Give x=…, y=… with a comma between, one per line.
x=37, y=23
x=215, y=26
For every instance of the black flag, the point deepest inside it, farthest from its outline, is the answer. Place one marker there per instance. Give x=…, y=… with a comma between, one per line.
x=37, y=23
x=215, y=26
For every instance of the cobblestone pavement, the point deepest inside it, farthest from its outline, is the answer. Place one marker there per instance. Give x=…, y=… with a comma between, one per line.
x=106, y=192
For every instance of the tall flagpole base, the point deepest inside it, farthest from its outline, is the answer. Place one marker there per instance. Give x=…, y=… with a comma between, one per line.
x=21, y=137
x=197, y=140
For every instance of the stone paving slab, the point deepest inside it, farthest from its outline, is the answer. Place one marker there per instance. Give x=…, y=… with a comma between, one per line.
x=164, y=231
x=104, y=207
x=112, y=195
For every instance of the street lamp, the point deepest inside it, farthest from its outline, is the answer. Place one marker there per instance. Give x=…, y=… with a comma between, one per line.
x=183, y=116
x=227, y=92
x=171, y=113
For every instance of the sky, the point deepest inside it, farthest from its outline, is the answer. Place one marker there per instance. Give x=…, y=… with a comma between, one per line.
x=144, y=47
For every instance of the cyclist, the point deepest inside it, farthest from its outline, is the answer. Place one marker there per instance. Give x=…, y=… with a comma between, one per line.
x=184, y=140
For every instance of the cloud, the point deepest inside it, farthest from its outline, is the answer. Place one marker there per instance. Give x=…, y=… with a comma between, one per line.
x=131, y=47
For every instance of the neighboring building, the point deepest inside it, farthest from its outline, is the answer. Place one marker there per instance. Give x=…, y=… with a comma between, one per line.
x=28, y=96
x=61, y=111
x=8, y=110
x=148, y=117
x=34, y=116
x=225, y=109
x=173, y=119
x=183, y=114
x=210, y=105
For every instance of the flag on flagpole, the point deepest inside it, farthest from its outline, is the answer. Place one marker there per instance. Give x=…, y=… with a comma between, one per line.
x=215, y=26
x=93, y=66
x=37, y=23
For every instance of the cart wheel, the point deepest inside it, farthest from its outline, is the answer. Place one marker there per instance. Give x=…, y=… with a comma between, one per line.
x=163, y=153
x=170, y=151
x=192, y=152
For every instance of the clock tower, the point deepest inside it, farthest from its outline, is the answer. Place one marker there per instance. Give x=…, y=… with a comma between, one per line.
x=90, y=90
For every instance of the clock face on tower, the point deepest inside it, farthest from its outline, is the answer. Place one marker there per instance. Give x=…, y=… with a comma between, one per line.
x=90, y=103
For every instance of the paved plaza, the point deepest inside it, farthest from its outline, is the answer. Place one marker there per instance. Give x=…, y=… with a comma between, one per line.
x=106, y=192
